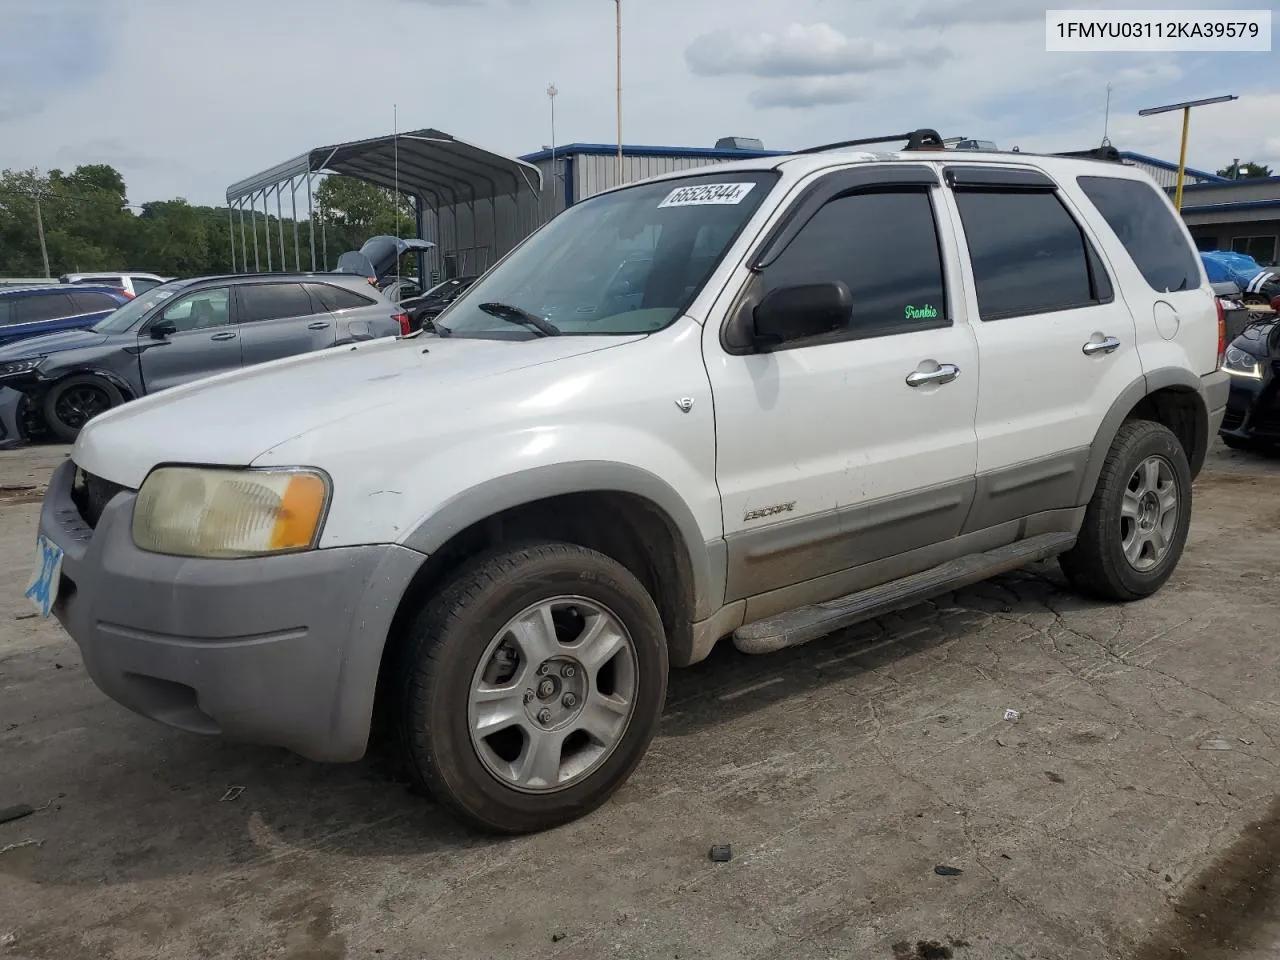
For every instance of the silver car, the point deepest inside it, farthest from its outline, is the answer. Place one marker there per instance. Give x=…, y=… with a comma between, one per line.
x=184, y=330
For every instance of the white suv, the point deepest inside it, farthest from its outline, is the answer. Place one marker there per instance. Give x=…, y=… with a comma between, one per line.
x=846, y=381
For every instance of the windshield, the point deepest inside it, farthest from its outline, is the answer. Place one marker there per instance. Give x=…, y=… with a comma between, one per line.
x=626, y=262
x=118, y=321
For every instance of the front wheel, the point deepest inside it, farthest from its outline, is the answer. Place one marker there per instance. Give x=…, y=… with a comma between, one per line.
x=73, y=402
x=531, y=686
x=1136, y=524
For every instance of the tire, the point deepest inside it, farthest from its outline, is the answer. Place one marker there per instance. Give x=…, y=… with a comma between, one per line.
x=453, y=654
x=71, y=403
x=1097, y=564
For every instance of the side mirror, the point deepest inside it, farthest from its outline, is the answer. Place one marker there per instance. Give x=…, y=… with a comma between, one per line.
x=165, y=328
x=801, y=311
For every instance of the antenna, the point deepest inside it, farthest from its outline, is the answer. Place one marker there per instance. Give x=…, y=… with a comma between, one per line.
x=1106, y=122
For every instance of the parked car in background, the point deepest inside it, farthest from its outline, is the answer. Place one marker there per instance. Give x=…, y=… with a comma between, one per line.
x=1252, y=421
x=184, y=330
x=32, y=311
x=428, y=306
x=134, y=283
x=378, y=258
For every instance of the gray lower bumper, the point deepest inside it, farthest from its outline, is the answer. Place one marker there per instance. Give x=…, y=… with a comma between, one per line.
x=1217, y=387
x=275, y=650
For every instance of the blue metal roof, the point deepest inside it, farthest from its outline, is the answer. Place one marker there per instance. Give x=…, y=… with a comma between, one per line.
x=1239, y=205
x=1166, y=165
x=634, y=150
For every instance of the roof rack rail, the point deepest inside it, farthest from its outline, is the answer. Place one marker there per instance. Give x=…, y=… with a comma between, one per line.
x=922, y=139
x=1108, y=152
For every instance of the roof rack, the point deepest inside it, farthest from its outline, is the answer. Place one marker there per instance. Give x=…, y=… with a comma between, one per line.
x=922, y=139
x=1108, y=153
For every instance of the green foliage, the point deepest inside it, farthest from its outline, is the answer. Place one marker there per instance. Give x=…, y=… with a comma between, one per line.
x=88, y=227
x=1248, y=171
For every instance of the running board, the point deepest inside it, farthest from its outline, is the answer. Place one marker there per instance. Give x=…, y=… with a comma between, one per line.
x=803, y=624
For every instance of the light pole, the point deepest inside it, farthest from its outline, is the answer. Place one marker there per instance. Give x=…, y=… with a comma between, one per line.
x=618, y=7
x=1185, y=107
x=551, y=95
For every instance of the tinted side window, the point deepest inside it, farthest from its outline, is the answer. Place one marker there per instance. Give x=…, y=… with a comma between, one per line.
x=1148, y=229
x=90, y=301
x=884, y=247
x=45, y=306
x=142, y=284
x=1028, y=254
x=336, y=298
x=6, y=312
x=273, y=301
x=207, y=308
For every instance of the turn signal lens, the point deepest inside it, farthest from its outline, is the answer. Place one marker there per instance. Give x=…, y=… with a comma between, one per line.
x=208, y=512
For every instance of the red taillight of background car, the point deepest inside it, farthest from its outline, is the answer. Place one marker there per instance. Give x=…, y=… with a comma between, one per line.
x=126, y=294
x=1222, y=332
x=405, y=323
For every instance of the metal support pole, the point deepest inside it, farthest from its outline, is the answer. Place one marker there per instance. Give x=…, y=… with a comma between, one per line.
x=293, y=200
x=1182, y=159
x=420, y=225
x=231, y=233
x=280, y=226
x=266, y=219
x=253, y=220
x=244, y=240
x=311, y=221
x=618, y=5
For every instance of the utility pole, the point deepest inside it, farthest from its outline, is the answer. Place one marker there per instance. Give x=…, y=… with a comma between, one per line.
x=44, y=251
x=1185, y=107
x=618, y=5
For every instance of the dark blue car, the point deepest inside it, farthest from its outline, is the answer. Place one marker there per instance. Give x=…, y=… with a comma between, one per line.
x=32, y=311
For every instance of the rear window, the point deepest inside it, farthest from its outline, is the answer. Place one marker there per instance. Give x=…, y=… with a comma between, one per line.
x=91, y=301
x=1146, y=225
x=143, y=284
x=336, y=298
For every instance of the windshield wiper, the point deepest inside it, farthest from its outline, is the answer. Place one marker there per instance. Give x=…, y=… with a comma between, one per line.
x=514, y=314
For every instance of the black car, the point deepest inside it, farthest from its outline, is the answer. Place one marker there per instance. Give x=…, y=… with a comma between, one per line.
x=1252, y=420
x=424, y=309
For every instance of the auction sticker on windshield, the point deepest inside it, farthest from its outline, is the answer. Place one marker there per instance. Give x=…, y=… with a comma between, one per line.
x=727, y=193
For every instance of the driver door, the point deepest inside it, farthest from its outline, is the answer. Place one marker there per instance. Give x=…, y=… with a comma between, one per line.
x=203, y=341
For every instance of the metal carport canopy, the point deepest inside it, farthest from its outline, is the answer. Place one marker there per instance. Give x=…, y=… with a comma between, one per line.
x=424, y=162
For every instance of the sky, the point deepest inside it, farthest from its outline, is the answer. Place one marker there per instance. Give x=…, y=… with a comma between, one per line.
x=186, y=96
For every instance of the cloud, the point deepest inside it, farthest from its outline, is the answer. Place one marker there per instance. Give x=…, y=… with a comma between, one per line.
x=805, y=92
x=50, y=47
x=950, y=13
x=816, y=50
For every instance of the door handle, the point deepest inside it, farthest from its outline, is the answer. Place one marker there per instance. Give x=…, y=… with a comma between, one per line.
x=318, y=325
x=945, y=373
x=229, y=335
x=1103, y=346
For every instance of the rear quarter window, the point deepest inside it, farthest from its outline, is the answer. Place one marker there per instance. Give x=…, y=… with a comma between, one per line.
x=337, y=298
x=1147, y=227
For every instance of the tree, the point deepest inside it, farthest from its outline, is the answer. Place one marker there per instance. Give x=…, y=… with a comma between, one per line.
x=1246, y=171
x=354, y=211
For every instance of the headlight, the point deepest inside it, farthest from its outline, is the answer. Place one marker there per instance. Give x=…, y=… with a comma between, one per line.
x=1241, y=364
x=208, y=512
x=20, y=366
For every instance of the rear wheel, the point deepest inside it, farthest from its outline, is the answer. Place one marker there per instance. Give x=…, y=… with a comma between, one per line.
x=73, y=402
x=1135, y=527
x=532, y=685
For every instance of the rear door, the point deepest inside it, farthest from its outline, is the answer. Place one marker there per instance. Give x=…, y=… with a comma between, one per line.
x=204, y=341
x=1055, y=344
x=279, y=320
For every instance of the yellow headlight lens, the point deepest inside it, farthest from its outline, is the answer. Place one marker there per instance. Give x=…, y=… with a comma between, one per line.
x=208, y=512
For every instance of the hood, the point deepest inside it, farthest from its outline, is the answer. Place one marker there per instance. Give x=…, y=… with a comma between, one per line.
x=1259, y=337
x=234, y=418
x=50, y=343
x=379, y=256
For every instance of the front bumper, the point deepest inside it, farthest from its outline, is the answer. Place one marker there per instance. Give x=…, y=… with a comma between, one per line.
x=276, y=650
